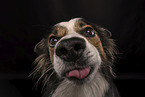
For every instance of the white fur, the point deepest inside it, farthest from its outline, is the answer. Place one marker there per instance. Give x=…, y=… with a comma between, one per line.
x=96, y=88
x=69, y=24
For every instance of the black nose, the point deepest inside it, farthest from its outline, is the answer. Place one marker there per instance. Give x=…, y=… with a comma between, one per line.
x=71, y=49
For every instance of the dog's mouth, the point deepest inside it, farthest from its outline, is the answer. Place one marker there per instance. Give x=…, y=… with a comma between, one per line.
x=78, y=73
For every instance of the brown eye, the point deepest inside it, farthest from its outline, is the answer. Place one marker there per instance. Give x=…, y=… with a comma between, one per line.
x=89, y=32
x=52, y=41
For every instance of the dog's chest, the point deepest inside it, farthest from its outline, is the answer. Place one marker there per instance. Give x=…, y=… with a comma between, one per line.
x=95, y=88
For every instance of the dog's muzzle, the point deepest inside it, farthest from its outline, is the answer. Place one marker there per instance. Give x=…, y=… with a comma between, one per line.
x=76, y=59
x=71, y=49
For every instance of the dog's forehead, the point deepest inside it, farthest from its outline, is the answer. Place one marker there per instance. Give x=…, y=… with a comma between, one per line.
x=69, y=25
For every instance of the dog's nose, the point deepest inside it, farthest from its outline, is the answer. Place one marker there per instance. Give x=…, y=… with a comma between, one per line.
x=71, y=49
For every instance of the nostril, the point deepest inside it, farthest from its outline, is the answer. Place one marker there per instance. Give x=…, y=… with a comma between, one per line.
x=62, y=51
x=77, y=47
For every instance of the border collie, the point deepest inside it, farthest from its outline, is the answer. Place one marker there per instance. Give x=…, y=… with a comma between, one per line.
x=75, y=60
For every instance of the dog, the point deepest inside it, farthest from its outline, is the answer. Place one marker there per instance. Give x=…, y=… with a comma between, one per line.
x=75, y=59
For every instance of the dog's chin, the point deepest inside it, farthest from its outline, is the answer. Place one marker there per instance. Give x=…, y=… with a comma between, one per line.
x=79, y=75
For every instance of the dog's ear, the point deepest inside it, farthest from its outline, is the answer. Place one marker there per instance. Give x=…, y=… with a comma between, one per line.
x=107, y=42
x=105, y=31
x=41, y=47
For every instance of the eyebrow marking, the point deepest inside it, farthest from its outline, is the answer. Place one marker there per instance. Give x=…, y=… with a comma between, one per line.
x=79, y=25
x=59, y=31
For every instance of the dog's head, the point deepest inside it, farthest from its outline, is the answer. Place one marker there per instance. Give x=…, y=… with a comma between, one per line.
x=77, y=50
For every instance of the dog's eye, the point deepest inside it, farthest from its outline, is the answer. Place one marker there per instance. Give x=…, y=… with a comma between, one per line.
x=89, y=32
x=52, y=41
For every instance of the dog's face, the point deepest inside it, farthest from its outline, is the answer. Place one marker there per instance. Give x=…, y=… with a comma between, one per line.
x=75, y=53
x=77, y=50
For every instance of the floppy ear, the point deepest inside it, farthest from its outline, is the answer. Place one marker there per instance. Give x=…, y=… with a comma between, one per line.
x=41, y=47
x=105, y=31
x=109, y=48
x=108, y=43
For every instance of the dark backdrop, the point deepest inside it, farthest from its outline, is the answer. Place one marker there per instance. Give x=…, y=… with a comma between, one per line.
x=23, y=22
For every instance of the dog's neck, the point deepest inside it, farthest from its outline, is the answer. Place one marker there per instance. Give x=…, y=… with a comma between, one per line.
x=96, y=88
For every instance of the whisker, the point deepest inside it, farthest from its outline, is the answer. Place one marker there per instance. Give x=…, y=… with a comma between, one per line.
x=35, y=70
x=38, y=67
x=43, y=75
x=48, y=79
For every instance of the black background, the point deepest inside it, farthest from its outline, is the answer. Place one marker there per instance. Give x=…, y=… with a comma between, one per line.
x=23, y=22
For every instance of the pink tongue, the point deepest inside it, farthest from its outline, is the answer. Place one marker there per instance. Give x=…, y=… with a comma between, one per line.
x=80, y=74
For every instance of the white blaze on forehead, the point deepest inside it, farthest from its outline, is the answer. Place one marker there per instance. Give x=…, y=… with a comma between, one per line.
x=69, y=25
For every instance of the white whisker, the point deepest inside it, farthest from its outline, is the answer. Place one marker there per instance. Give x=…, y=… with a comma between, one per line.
x=48, y=79
x=42, y=76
